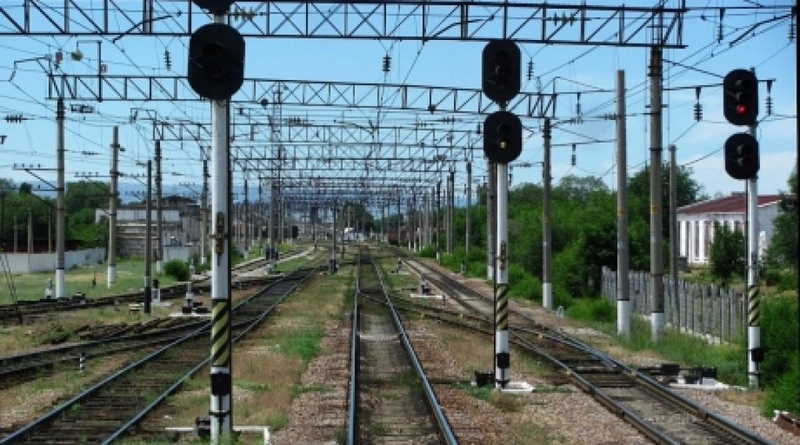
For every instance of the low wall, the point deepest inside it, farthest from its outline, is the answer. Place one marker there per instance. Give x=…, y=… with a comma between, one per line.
x=43, y=262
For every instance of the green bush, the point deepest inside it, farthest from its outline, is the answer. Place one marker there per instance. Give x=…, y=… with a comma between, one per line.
x=593, y=309
x=562, y=297
x=770, y=276
x=782, y=395
x=177, y=269
x=428, y=252
x=778, y=336
x=787, y=282
x=527, y=287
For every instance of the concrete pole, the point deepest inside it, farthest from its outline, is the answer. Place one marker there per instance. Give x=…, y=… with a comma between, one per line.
x=30, y=231
x=657, y=316
x=491, y=225
x=204, y=215
x=437, y=220
x=623, y=243
x=60, y=201
x=112, y=209
x=426, y=227
x=469, y=206
x=547, y=231
x=502, y=352
x=332, y=263
x=148, y=240
x=246, y=217
x=673, y=235
x=159, y=215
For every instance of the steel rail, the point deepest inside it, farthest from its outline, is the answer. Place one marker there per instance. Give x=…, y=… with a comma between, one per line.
x=138, y=418
x=647, y=383
x=445, y=428
x=355, y=353
x=250, y=324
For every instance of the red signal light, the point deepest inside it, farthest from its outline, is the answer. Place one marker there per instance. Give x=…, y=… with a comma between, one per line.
x=741, y=110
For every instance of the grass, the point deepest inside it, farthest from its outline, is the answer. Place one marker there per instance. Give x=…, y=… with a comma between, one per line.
x=688, y=350
x=130, y=277
x=269, y=363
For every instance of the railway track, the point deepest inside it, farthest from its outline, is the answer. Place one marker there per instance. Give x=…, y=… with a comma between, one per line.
x=115, y=405
x=20, y=368
x=241, y=275
x=660, y=414
x=391, y=400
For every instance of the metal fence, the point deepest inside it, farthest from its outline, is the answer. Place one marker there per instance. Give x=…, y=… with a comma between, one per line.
x=707, y=310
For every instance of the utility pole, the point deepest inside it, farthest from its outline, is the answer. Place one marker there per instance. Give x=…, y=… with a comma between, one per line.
x=451, y=195
x=469, y=205
x=159, y=215
x=657, y=316
x=332, y=263
x=148, y=241
x=245, y=217
x=112, y=209
x=437, y=221
x=204, y=214
x=623, y=243
x=547, y=231
x=491, y=224
x=60, y=201
x=673, y=234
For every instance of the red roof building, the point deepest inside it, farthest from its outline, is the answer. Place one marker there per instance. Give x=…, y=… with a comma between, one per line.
x=696, y=223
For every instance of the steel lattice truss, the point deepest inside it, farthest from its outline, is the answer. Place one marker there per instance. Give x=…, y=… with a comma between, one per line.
x=109, y=88
x=332, y=152
x=390, y=20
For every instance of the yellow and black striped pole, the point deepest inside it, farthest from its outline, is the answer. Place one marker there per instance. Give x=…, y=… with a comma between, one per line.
x=755, y=352
x=502, y=354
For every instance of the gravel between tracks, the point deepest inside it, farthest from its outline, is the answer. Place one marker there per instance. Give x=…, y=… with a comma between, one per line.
x=567, y=416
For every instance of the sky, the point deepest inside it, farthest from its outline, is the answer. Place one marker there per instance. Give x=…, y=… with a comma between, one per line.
x=583, y=76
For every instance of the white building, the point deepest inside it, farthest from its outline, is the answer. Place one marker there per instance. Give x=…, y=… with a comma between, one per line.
x=696, y=223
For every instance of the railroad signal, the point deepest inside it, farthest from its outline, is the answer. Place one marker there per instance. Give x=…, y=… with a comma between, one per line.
x=740, y=97
x=501, y=74
x=741, y=156
x=502, y=137
x=216, y=61
x=214, y=6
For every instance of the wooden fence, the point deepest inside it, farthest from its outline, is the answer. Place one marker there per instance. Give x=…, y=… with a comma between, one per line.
x=707, y=310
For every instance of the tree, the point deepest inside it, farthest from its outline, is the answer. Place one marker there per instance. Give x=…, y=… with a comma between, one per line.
x=688, y=191
x=578, y=189
x=86, y=195
x=783, y=246
x=727, y=256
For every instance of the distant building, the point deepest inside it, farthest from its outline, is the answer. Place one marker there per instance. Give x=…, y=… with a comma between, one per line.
x=696, y=223
x=181, y=221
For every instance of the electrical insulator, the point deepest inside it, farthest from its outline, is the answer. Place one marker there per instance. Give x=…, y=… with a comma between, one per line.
x=530, y=69
x=14, y=118
x=792, y=31
x=387, y=63
x=769, y=97
x=698, y=112
x=167, y=59
x=573, y=155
